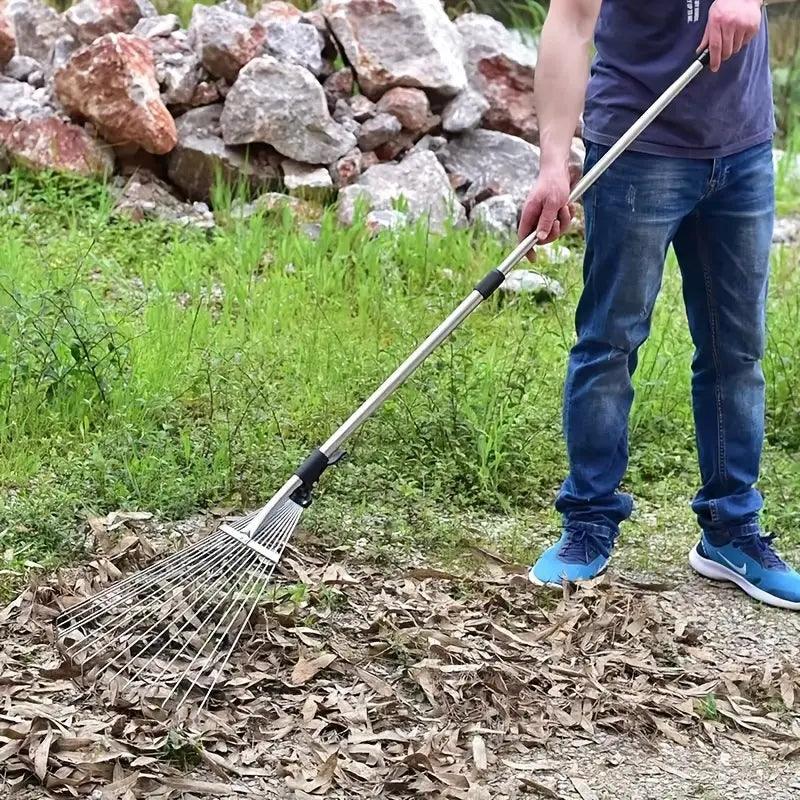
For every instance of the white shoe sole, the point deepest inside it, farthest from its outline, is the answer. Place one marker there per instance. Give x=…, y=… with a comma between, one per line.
x=559, y=586
x=717, y=572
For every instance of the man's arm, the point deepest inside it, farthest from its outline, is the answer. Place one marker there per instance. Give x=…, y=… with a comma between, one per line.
x=562, y=73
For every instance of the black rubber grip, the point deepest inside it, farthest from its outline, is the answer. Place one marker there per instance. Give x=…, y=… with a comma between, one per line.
x=312, y=468
x=705, y=57
x=490, y=283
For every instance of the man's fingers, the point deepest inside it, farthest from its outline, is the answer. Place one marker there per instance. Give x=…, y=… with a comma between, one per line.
x=704, y=44
x=728, y=35
x=738, y=40
x=548, y=217
x=564, y=219
x=529, y=217
x=715, y=45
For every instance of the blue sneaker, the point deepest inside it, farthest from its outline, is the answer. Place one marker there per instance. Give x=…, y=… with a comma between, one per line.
x=749, y=561
x=580, y=554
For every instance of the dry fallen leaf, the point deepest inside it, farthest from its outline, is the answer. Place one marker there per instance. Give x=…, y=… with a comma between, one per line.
x=305, y=669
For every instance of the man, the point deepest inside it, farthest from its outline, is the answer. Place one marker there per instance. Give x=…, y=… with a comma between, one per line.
x=699, y=178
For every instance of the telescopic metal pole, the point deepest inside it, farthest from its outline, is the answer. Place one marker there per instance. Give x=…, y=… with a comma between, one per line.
x=310, y=471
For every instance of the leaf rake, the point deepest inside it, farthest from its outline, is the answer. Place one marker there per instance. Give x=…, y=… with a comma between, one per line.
x=173, y=627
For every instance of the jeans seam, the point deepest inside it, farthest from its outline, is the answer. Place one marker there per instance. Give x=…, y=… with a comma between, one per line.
x=718, y=387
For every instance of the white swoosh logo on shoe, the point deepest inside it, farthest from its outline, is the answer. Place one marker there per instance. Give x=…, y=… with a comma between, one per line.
x=741, y=570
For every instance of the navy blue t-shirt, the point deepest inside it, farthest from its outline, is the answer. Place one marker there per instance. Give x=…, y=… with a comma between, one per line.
x=642, y=46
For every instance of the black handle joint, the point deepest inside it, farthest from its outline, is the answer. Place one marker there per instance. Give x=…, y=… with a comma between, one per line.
x=705, y=57
x=488, y=285
x=310, y=471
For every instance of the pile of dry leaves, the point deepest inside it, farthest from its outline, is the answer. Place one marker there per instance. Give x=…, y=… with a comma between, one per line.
x=357, y=683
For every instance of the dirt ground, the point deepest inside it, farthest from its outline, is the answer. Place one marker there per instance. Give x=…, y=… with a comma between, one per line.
x=369, y=682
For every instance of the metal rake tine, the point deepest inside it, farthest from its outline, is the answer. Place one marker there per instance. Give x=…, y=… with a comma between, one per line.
x=279, y=520
x=104, y=610
x=264, y=577
x=225, y=660
x=231, y=570
x=173, y=562
x=197, y=589
x=269, y=567
x=103, y=631
x=148, y=575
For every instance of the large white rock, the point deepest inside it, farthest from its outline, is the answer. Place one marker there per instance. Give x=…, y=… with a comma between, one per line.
x=487, y=163
x=418, y=183
x=283, y=105
x=398, y=43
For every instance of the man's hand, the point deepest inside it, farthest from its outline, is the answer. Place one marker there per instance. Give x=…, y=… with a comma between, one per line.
x=731, y=25
x=547, y=209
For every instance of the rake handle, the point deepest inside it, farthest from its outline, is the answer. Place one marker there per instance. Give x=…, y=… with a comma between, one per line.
x=496, y=276
x=311, y=470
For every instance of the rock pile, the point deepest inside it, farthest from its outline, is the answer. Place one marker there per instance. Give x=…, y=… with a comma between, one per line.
x=427, y=117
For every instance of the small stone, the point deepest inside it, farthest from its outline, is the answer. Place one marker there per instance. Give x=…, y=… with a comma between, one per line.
x=501, y=68
x=339, y=86
x=20, y=68
x=224, y=40
x=398, y=43
x=388, y=151
x=144, y=197
x=112, y=83
x=361, y=108
x=378, y=130
x=37, y=28
x=20, y=100
x=497, y=215
x=464, y=112
x=432, y=143
x=421, y=183
x=297, y=44
x=411, y=107
x=283, y=105
x=157, y=27
x=278, y=11
x=90, y=19
x=8, y=44
x=346, y=170
x=387, y=219
x=311, y=230
x=275, y=201
x=205, y=94
x=178, y=69
x=234, y=6
x=554, y=253
x=201, y=157
x=526, y=281
x=786, y=230
x=309, y=182
x=48, y=143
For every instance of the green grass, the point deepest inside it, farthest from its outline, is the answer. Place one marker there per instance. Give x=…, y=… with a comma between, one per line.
x=155, y=368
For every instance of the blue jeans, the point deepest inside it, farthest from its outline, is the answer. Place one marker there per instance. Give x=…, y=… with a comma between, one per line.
x=718, y=214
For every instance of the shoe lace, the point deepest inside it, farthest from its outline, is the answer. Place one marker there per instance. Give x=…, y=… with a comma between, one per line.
x=583, y=546
x=761, y=548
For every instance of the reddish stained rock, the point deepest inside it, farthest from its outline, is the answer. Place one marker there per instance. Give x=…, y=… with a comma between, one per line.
x=501, y=68
x=7, y=42
x=278, y=11
x=338, y=86
x=411, y=107
x=225, y=41
x=112, y=83
x=50, y=143
x=91, y=19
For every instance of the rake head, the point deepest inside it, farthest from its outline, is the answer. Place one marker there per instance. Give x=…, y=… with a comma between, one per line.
x=174, y=625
